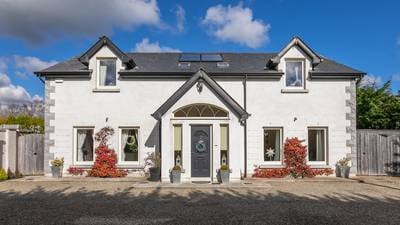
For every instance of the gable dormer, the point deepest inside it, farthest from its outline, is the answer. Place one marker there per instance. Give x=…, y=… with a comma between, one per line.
x=296, y=42
x=296, y=59
x=105, y=41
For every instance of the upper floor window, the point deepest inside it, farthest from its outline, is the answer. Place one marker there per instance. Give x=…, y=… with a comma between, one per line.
x=107, y=76
x=294, y=74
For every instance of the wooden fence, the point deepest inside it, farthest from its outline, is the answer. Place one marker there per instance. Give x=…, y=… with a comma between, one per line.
x=378, y=152
x=30, y=154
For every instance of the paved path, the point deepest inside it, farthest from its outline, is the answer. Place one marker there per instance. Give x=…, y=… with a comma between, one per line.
x=372, y=201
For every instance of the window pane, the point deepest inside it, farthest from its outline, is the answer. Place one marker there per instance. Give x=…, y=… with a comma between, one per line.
x=84, y=141
x=294, y=74
x=130, y=145
x=108, y=72
x=316, y=145
x=178, y=145
x=272, y=145
x=177, y=137
x=188, y=57
x=211, y=57
x=224, y=144
x=224, y=137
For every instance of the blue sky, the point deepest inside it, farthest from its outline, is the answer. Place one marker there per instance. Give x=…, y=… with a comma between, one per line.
x=362, y=34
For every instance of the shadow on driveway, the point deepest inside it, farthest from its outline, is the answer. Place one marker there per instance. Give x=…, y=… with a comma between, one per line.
x=68, y=205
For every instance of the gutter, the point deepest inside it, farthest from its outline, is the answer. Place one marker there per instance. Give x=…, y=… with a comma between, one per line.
x=245, y=124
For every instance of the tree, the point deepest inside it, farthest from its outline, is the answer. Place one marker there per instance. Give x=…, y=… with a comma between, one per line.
x=377, y=107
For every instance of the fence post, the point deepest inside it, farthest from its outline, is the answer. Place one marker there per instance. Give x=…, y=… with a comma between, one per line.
x=9, y=154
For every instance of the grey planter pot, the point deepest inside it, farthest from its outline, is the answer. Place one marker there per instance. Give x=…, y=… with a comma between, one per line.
x=176, y=176
x=155, y=174
x=224, y=176
x=337, y=171
x=56, y=172
x=345, y=171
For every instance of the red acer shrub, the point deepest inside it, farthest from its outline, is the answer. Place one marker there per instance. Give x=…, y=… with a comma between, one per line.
x=75, y=171
x=106, y=159
x=295, y=163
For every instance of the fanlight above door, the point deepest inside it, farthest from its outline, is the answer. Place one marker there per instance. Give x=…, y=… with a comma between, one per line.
x=200, y=110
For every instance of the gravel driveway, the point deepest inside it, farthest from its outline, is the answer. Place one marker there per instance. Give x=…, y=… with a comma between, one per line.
x=373, y=201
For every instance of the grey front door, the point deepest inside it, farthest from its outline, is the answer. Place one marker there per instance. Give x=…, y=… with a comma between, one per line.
x=200, y=150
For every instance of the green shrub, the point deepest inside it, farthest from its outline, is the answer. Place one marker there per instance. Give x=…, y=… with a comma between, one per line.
x=224, y=167
x=3, y=174
x=177, y=168
x=26, y=123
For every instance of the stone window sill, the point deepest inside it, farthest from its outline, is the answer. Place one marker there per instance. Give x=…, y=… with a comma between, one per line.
x=302, y=91
x=271, y=166
x=114, y=90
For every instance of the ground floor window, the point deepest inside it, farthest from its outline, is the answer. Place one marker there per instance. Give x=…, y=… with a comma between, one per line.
x=272, y=144
x=178, y=145
x=84, y=145
x=317, y=144
x=129, y=151
x=224, y=144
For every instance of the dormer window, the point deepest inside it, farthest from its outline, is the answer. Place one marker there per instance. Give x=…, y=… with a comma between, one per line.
x=107, y=73
x=294, y=73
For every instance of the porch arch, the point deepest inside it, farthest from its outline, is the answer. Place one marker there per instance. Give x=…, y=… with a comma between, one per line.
x=200, y=110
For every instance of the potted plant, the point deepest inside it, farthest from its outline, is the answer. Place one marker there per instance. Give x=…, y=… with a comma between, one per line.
x=223, y=174
x=344, y=167
x=176, y=174
x=57, y=167
x=153, y=161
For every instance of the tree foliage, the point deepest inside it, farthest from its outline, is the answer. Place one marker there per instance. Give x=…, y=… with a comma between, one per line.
x=377, y=107
x=26, y=123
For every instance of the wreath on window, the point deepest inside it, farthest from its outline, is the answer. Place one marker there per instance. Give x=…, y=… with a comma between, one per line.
x=131, y=144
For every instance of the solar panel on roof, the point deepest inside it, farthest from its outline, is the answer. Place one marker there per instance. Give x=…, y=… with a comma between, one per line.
x=211, y=57
x=189, y=57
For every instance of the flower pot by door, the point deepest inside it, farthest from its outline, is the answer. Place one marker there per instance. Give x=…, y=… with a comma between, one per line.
x=56, y=171
x=155, y=174
x=176, y=176
x=224, y=176
x=337, y=171
x=345, y=171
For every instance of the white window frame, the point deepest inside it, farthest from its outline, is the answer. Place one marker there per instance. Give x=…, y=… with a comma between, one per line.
x=119, y=156
x=75, y=142
x=325, y=161
x=303, y=69
x=276, y=163
x=98, y=85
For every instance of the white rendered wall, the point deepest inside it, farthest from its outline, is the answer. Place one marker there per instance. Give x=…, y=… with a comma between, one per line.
x=76, y=104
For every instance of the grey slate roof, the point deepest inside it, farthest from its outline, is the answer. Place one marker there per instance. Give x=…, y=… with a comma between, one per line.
x=167, y=63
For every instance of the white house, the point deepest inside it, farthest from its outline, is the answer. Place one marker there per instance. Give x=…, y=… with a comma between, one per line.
x=201, y=110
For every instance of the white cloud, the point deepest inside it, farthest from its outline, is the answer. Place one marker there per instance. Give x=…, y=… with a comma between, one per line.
x=236, y=24
x=41, y=20
x=371, y=80
x=11, y=94
x=146, y=46
x=180, y=18
x=31, y=64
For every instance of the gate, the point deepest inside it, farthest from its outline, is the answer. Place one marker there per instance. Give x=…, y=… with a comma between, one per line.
x=30, y=154
x=378, y=152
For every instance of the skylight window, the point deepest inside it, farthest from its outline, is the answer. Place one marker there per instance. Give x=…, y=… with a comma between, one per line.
x=189, y=57
x=211, y=57
x=193, y=57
